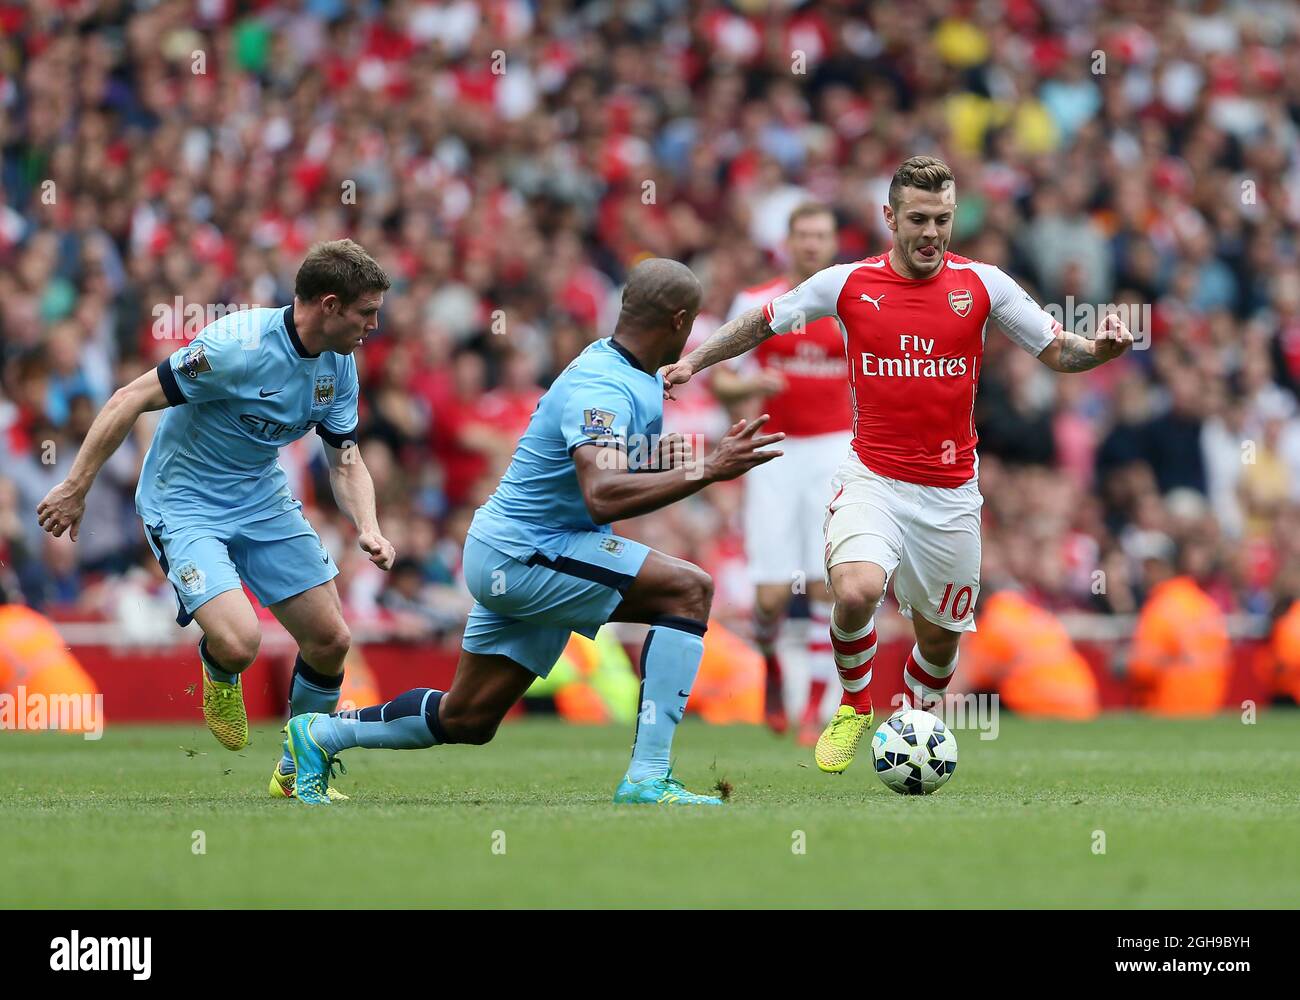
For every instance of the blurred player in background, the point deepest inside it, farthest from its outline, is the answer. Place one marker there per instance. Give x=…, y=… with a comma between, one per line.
x=217, y=508
x=801, y=382
x=906, y=502
x=542, y=561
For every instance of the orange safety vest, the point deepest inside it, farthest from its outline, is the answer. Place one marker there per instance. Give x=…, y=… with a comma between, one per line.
x=1024, y=653
x=578, y=701
x=729, y=685
x=1180, y=658
x=33, y=656
x=360, y=689
x=1285, y=674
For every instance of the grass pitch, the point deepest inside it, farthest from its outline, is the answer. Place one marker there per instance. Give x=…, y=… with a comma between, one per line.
x=1194, y=814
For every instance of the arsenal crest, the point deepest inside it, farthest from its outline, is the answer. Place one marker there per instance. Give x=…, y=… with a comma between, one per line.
x=324, y=394
x=961, y=300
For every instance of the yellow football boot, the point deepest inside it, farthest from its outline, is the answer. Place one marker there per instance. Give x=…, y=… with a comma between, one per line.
x=223, y=711
x=838, y=743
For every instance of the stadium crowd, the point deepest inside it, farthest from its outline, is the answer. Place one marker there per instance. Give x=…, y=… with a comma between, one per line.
x=507, y=162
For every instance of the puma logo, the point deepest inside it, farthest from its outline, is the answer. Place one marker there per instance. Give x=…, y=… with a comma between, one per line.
x=864, y=297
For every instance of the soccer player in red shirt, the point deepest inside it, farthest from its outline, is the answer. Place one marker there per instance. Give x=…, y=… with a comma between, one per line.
x=906, y=503
x=800, y=381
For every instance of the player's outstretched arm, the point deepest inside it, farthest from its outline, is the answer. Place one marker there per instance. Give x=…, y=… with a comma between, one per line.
x=63, y=506
x=612, y=492
x=730, y=340
x=354, y=492
x=1071, y=353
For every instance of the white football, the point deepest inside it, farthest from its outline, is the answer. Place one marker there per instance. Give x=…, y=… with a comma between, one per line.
x=915, y=752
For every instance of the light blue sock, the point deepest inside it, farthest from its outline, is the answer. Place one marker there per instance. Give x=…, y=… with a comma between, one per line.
x=210, y=665
x=408, y=722
x=310, y=691
x=670, y=659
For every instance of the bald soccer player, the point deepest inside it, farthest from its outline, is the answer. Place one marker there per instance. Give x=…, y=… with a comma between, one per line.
x=542, y=561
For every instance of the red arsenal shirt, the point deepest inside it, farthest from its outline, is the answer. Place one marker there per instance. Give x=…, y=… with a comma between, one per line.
x=815, y=399
x=914, y=350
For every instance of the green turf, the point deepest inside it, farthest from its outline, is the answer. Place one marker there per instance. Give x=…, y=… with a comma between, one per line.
x=1194, y=814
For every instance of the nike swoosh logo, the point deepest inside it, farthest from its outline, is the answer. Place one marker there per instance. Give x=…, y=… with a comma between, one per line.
x=263, y=393
x=325, y=559
x=683, y=694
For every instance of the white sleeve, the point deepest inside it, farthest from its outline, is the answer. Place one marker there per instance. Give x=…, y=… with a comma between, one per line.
x=1021, y=318
x=810, y=300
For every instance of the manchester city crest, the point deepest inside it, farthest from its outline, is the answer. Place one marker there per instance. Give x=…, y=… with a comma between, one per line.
x=324, y=393
x=193, y=580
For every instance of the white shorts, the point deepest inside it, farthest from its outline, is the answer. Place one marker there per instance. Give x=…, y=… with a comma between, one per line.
x=925, y=538
x=785, y=504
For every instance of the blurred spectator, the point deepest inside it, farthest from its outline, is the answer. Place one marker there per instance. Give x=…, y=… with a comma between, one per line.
x=1284, y=675
x=1023, y=653
x=139, y=191
x=109, y=537
x=1179, y=664
x=420, y=609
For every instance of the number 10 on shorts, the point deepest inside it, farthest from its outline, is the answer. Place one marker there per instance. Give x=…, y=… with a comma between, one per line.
x=960, y=603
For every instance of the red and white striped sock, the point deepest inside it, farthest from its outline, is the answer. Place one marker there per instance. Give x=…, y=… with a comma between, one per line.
x=766, y=633
x=926, y=682
x=821, y=657
x=854, y=652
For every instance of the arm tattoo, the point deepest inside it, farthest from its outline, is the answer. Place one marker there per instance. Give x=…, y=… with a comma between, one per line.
x=730, y=340
x=1077, y=354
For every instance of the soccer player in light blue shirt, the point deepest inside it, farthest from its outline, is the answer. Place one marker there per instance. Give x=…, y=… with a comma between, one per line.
x=542, y=561
x=216, y=506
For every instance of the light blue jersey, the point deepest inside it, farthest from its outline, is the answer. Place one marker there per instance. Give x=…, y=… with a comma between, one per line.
x=538, y=566
x=602, y=398
x=244, y=389
x=216, y=505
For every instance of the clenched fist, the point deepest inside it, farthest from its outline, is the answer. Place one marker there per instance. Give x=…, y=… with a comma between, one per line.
x=63, y=508
x=379, y=548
